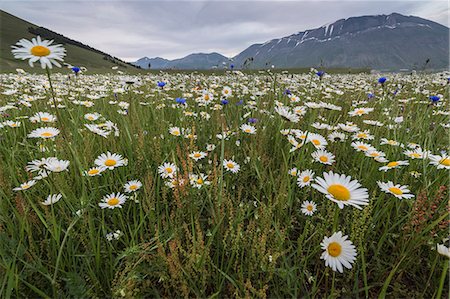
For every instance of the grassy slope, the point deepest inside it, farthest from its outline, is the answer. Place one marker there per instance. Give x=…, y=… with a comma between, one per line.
x=12, y=29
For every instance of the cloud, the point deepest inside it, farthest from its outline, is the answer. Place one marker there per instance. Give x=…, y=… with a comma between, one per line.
x=172, y=29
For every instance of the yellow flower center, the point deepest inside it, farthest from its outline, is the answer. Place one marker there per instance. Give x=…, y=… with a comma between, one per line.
x=339, y=192
x=197, y=155
x=169, y=169
x=362, y=135
x=323, y=159
x=206, y=97
x=230, y=165
x=374, y=154
x=113, y=201
x=303, y=136
x=247, y=130
x=391, y=142
x=40, y=51
x=93, y=171
x=306, y=179
x=445, y=162
x=334, y=249
x=315, y=142
x=26, y=186
x=226, y=90
x=392, y=164
x=90, y=118
x=133, y=187
x=110, y=162
x=45, y=119
x=363, y=148
x=360, y=111
x=176, y=133
x=415, y=155
x=200, y=181
x=46, y=134
x=396, y=190
x=309, y=208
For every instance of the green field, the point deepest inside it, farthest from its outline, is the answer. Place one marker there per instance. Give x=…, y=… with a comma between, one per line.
x=222, y=234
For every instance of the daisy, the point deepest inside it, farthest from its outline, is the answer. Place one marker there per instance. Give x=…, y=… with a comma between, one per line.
x=132, y=186
x=285, y=113
x=198, y=155
x=308, y=207
x=198, y=181
x=110, y=161
x=389, y=142
x=249, y=129
x=415, y=154
x=305, y=178
x=443, y=250
x=396, y=190
x=94, y=171
x=374, y=154
x=39, y=50
x=342, y=190
x=174, y=182
x=51, y=199
x=113, y=201
x=55, y=165
x=25, y=186
x=360, y=111
x=231, y=166
x=317, y=140
x=47, y=132
x=175, y=131
x=43, y=117
x=393, y=164
x=362, y=147
x=226, y=91
x=92, y=116
x=167, y=170
x=337, y=136
x=363, y=135
x=338, y=252
x=12, y=124
x=442, y=162
x=323, y=157
x=293, y=171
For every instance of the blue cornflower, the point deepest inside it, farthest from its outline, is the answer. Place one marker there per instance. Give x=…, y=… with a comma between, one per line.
x=287, y=92
x=320, y=73
x=382, y=80
x=75, y=69
x=252, y=120
x=240, y=103
x=181, y=101
x=370, y=95
x=161, y=84
x=434, y=99
x=224, y=102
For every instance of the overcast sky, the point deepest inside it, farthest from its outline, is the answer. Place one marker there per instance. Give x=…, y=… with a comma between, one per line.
x=173, y=29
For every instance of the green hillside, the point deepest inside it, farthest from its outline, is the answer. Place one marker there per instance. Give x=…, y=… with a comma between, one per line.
x=12, y=29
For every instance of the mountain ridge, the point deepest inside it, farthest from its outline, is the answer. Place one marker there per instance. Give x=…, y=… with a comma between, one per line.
x=393, y=41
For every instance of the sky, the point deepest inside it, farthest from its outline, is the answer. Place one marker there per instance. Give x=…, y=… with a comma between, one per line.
x=173, y=29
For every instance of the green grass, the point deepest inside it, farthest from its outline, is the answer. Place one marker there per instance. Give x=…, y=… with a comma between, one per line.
x=242, y=236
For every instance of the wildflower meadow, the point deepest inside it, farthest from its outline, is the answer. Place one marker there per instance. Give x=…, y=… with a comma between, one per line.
x=256, y=184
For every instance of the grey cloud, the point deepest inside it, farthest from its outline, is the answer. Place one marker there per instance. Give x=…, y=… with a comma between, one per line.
x=172, y=29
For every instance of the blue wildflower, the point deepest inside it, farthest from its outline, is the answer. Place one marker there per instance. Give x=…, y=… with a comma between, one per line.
x=75, y=69
x=252, y=120
x=224, y=102
x=434, y=99
x=370, y=95
x=287, y=92
x=382, y=80
x=320, y=73
x=161, y=84
x=240, y=103
x=181, y=101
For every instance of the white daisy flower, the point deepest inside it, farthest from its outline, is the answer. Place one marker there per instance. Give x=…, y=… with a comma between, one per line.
x=442, y=162
x=39, y=50
x=25, y=186
x=392, y=165
x=198, y=155
x=342, y=190
x=305, y=178
x=55, y=165
x=308, y=208
x=323, y=157
x=396, y=190
x=231, y=166
x=167, y=170
x=132, y=186
x=249, y=129
x=47, y=132
x=112, y=201
x=51, y=199
x=338, y=252
x=110, y=161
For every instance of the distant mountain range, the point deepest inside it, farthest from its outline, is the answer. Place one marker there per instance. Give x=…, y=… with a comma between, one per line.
x=12, y=29
x=390, y=42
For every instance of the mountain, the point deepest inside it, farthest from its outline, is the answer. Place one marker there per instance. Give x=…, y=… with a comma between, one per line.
x=389, y=42
x=199, y=61
x=12, y=29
